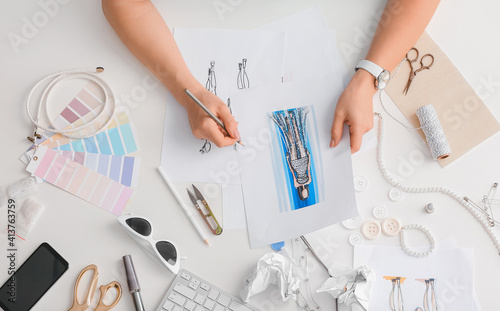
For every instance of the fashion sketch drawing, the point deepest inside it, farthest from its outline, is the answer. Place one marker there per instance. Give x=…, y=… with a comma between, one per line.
x=293, y=127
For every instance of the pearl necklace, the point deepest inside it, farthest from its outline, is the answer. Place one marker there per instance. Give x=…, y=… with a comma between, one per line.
x=443, y=190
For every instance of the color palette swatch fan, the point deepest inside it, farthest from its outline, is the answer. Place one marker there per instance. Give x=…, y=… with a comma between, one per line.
x=96, y=169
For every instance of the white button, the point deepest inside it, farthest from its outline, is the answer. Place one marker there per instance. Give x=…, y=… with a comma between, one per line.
x=370, y=230
x=395, y=194
x=379, y=211
x=391, y=226
x=352, y=223
x=356, y=239
x=360, y=183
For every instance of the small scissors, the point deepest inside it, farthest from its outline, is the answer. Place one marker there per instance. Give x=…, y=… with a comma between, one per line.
x=77, y=306
x=413, y=72
x=209, y=218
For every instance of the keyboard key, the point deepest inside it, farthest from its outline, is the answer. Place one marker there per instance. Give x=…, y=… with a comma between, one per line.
x=195, y=281
x=169, y=306
x=205, y=287
x=219, y=308
x=213, y=294
x=185, y=276
x=178, y=299
x=209, y=304
x=190, y=305
x=188, y=292
x=177, y=308
x=199, y=308
x=199, y=299
x=193, y=285
x=236, y=306
x=224, y=300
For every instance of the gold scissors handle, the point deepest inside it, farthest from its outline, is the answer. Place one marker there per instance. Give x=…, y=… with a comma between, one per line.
x=422, y=66
x=77, y=306
x=101, y=306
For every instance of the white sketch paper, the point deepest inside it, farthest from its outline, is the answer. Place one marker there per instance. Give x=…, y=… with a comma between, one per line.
x=262, y=190
x=181, y=158
x=311, y=47
x=452, y=269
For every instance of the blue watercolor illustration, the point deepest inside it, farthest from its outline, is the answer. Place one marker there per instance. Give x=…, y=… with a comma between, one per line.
x=296, y=156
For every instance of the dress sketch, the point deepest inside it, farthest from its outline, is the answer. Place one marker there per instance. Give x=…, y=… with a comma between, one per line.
x=242, y=80
x=210, y=85
x=292, y=125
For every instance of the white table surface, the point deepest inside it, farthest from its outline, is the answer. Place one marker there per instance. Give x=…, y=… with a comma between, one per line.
x=78, y=35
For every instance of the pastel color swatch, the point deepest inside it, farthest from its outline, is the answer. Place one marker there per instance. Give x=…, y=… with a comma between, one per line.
x=119, y=140
x=122, y=169
x=80, y=180
x=83, y=108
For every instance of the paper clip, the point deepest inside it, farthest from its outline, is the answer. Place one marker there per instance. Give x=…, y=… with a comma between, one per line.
x=209, y=218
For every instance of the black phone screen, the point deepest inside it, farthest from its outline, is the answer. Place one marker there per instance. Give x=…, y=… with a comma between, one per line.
x=32, y=279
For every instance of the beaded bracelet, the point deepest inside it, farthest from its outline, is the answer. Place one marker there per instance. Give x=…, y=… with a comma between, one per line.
x=426, y=232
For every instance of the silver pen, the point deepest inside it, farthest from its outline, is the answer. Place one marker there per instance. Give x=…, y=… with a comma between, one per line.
x=133, y=283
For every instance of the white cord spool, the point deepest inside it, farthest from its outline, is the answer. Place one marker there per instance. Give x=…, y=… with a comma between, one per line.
x=434, y=133
x=91, y=128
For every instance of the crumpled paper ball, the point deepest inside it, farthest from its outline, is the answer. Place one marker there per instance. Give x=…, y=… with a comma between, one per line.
x=350, y=286
x=273, y=269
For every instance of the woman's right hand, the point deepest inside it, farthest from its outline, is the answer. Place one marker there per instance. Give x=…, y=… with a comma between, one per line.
x=202, y=126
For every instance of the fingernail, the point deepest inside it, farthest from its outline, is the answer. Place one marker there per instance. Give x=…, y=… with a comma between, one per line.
x=332, y=143
x=236, y=134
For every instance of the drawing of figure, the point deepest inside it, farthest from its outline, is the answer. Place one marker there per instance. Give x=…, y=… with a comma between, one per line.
x=242, y=80
x=292, y=125
x=211, y=84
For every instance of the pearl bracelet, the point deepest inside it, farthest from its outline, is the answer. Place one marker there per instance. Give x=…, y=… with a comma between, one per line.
x=426, y=231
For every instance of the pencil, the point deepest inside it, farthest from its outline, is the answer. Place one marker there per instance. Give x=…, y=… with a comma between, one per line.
x=210, y=114
x=184, y=207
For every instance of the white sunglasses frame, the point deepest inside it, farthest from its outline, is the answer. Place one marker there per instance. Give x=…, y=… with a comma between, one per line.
x=152, y=251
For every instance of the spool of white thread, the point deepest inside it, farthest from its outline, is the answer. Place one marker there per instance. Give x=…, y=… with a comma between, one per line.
x=434, y=133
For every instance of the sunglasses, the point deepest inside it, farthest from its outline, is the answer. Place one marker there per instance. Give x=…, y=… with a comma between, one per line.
x=162, y=251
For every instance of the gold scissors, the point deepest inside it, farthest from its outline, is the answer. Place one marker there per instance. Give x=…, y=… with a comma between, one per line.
x=414, y=72
x=77, y=306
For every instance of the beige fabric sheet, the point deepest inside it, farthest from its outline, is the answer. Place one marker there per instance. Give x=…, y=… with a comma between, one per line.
x=466, y=120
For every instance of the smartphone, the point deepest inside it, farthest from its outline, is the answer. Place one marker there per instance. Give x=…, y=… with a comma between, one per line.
x=32, y=279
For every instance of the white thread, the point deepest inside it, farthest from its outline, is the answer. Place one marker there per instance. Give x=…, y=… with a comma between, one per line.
x=77, y=132
x=426, y=231
x=443, y=190
x=429, y=124
x=433, y=131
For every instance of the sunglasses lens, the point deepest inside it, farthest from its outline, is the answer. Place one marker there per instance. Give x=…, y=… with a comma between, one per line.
x=139, y=225
x=167, y=251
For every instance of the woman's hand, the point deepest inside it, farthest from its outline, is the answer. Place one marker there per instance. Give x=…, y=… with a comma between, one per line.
x=202, y=126
x=355, y=108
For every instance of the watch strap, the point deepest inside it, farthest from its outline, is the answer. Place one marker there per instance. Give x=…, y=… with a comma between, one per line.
x=371, y=67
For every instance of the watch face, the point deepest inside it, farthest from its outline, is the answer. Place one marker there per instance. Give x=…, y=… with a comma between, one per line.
x=383, y=79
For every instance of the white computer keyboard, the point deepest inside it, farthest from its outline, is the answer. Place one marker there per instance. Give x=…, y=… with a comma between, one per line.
x=190, y=292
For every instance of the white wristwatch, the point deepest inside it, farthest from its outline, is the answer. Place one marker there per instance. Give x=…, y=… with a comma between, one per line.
x=381, y=75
